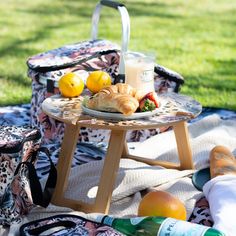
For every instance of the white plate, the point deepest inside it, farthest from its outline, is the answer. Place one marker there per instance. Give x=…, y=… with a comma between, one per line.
x=118, y=116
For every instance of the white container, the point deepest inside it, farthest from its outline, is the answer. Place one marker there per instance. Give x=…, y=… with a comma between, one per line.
x=139, y=71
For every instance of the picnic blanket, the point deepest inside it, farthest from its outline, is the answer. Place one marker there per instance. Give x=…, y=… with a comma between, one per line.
x=134, y=178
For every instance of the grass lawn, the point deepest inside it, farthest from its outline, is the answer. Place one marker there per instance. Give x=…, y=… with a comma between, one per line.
x=195, y=38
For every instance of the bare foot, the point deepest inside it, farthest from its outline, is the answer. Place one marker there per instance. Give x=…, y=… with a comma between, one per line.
x=222, y=162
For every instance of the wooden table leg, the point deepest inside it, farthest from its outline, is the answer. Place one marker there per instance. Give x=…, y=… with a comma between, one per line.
x=125, y=151
x=108, y=175
x=64, y=162
x=109, y=172
x=183, y=145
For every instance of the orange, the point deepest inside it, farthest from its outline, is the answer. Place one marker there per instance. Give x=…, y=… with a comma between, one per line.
x=71, y=85
x=98, y=80
x=161, y=203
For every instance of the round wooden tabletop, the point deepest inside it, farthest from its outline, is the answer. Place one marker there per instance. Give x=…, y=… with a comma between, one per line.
x=173, y=109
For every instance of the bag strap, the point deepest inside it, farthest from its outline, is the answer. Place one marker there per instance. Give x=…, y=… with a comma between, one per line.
x=40, y=197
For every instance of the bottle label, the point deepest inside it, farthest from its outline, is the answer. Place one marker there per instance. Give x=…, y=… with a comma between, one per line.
x=136, y=220
x=147, y=75
x=173, y=227
x=108, y=220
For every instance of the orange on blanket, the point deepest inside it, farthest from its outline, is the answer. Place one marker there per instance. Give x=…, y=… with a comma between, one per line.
x=160, y=203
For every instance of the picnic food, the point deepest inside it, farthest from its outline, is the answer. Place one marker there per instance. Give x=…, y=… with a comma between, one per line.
x=71, y=85
x=115, y=98
x=98, y=80
x=122, y=88
x=149, y=102
x=222, y=162
x=161, y=203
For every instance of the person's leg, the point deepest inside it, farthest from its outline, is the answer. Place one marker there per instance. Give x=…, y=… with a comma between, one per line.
x=220, y=191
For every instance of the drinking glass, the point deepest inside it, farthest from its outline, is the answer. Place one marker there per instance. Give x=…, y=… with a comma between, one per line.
x=139, y=71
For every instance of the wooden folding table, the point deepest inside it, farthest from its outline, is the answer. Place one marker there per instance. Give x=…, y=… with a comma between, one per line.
x=175, y=111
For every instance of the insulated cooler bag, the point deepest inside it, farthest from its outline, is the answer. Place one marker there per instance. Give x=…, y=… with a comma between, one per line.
x=45, y=69
x=20, y=189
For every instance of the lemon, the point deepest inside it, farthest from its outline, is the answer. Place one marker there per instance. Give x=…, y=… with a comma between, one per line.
x=98, y=80
x=71, y=85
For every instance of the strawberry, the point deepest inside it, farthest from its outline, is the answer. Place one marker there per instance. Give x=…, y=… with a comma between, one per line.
x=149, y=102
x=153, y=97
x=147, y=105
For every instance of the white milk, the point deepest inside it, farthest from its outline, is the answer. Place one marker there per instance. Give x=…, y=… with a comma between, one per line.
x=139, y=71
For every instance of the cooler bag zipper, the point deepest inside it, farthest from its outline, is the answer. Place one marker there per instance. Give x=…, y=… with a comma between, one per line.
x=17, y=147
x=44, y=69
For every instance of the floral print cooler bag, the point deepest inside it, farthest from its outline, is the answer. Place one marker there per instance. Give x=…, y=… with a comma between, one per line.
x=20, y=188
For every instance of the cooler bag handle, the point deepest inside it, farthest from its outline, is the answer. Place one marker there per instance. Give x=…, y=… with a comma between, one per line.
x=125, y=31
x=40, y=197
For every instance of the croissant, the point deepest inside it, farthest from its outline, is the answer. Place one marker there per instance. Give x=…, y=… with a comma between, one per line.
x=115, y=98
x=122, y=89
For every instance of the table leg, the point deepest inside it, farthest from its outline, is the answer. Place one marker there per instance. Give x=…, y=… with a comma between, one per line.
x=125, y=151
x=64, y=162
x=183, y=145
x=109, y=172
x=107, y=179
x=152, y=162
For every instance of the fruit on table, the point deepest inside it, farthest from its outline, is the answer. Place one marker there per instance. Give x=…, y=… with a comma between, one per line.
x=149, y=102
x=147, y=105
x=161, y=203
x=98, y=80
x=71, y=85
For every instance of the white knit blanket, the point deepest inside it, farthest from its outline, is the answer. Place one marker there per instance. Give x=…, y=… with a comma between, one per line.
x=134, y=177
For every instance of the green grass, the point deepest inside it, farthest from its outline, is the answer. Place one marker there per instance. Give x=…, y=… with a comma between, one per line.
x=194, y=38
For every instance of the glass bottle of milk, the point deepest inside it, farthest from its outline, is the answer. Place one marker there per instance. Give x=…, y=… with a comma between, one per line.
x=139, y=71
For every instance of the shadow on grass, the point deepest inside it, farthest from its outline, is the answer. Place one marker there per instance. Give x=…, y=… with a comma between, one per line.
x=72, y=7
x=15, y=47
x=226, y=67
x=161, y=10
x=222, y=69
x=85, y=9
x=196, y=82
